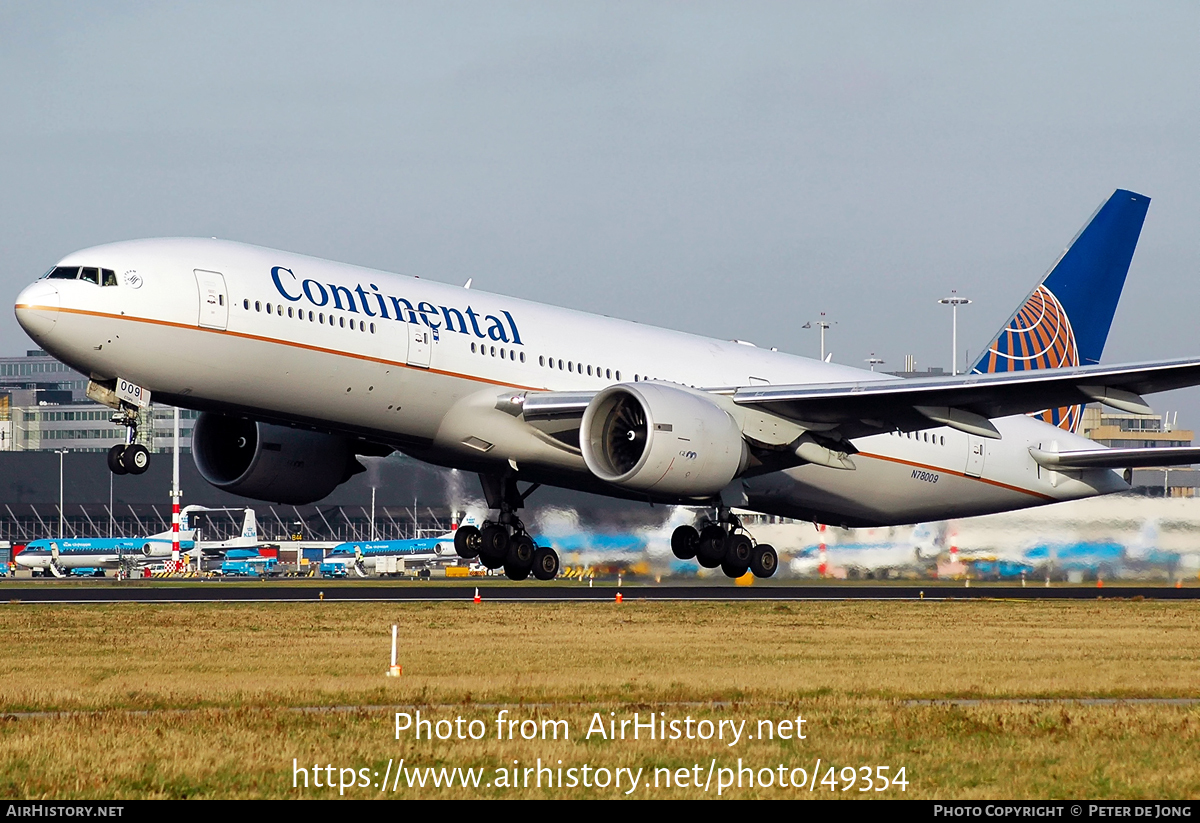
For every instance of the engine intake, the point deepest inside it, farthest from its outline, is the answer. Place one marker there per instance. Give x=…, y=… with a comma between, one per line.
x=661, y=438
x=267, y=462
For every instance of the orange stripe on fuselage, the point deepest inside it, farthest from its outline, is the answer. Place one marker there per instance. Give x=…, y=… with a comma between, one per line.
x=261, y=339
x=997, y=483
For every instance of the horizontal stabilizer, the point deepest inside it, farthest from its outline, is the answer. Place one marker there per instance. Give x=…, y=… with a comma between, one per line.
x=1117, y=458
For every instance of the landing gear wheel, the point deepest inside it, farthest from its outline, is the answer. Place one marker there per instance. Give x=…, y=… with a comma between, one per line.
x=764, y=561
x=515, y=572
x=467, y=542
x=545, y=563
x=710, y=551
x=135, y=459
x=494, y=547
x=732, y=569
x=684, y=542
x=114, y=460
x=738, y=551
x=520, y=554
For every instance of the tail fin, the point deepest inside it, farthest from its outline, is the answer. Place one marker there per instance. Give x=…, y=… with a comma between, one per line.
x=250, y=527
x=1065, y=320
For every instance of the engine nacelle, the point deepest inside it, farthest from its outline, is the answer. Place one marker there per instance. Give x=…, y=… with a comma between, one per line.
x=266, y=462
x=660, y=438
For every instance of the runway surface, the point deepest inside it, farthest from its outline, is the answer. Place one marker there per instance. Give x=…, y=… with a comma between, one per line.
x=239, y=592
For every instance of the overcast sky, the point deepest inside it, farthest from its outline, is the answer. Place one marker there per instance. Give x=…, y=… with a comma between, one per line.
x=727, y=169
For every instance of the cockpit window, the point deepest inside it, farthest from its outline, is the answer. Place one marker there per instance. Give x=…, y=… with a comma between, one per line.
x=99, y=277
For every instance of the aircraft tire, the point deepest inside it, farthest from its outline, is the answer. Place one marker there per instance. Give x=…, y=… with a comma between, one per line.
x=738, y=550
x=732, y=569
x=684, y=541
x=493, y=547
x=764, y=561
x=545, y=563
x=467, y=542
x=710, y=551
x=516, y=572
x=520, y=553
x=135, y=459
x=114, y=460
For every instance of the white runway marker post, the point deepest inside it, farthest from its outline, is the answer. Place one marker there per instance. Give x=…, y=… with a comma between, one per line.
x=393, y=670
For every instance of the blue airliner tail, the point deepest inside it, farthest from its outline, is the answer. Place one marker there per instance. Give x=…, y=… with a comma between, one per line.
x=1066, y=318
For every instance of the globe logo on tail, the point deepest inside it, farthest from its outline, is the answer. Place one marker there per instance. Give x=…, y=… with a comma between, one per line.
x=1039, y=336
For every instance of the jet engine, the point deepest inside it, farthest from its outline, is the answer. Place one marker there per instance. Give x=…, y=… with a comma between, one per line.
x=661, y=438
x=267, y=462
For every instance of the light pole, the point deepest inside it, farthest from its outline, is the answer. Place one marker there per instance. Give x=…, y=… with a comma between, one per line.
x=954, y=301
x=61, y=452
x=822, y=324
x=875, y=361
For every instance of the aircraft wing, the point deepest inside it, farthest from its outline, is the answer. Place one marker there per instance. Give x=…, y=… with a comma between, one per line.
x=965, y=402
x=1117, y=458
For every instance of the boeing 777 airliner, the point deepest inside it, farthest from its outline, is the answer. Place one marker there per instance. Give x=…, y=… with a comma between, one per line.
x=298, y=365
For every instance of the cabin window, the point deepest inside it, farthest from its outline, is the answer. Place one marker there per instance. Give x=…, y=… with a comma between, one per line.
x=90, y=275
x=246, y=305
x=268, y=308
x=109, y=277
x=64, y=273
x=522, y=357
x=257, y=306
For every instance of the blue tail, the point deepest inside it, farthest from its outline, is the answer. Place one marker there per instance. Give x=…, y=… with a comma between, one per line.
x=1065, y=319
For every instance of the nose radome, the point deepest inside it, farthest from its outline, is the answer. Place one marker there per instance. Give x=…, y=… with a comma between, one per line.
x=37, y=309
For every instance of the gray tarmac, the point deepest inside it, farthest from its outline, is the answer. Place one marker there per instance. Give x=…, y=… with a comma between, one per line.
x=219, y=591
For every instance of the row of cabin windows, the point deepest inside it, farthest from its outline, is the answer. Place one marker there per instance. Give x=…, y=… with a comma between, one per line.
x=935, y=439
x=486, y=351
x=578, y=368
x=98, y=277
x=505, y=354
x=313, y=317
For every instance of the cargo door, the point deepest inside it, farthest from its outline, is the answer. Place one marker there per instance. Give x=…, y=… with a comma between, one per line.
x=214, y=303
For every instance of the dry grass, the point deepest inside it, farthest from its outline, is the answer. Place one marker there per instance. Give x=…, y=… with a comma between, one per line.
x=847, y=667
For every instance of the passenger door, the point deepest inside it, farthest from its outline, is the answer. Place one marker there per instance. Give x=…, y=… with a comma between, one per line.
x=214, y=303
x=975, y=456
x=419, y=344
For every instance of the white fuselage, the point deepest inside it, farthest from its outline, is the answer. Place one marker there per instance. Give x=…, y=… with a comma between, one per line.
x=420, y=365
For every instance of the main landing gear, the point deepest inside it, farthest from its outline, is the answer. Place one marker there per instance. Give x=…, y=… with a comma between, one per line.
x=725, y=543
x=131, y=458
x=505, y=543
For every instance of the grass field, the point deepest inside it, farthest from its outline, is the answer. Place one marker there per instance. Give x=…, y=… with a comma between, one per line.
x=216, y=700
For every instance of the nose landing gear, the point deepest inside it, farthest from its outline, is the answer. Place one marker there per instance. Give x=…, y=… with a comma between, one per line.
x=724, y=543
x=131, y=458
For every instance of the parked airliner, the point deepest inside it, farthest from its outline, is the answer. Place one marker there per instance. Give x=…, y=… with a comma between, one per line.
x=298, y=365
x=59, y=555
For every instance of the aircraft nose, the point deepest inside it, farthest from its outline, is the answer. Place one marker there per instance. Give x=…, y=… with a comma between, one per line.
x=37, y=309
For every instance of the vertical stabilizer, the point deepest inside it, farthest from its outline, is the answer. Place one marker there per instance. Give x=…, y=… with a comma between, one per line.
x=1065, y=320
